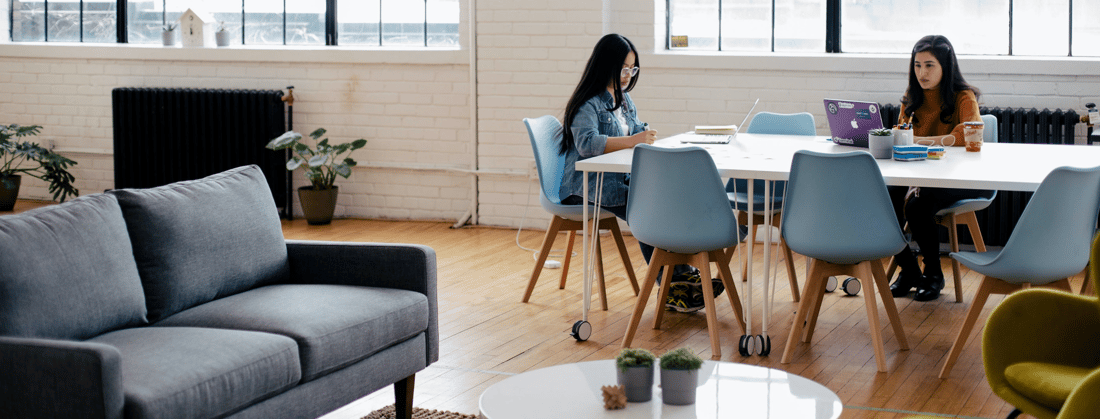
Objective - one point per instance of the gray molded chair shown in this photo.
(818, 222)
(545, 132)
(685, 225)
(1049, 244)
(962, 212)
(768, 123)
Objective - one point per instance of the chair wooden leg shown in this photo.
(600, 276)
(666, 284)
(568, 256)
(988, 286)
(727, 279)
(643, 297)
(1060, 285)
(893, 268)
(951, 222)
(813, 282)
(702, 261)
(547, 243)
(618, 235)
(1086, 287)
(791, 276)
(818, 296)
(403, 395)
(971, 221)
(864, 271)
(883, 287)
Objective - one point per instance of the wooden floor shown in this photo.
(487, 334)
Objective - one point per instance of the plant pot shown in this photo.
(168, 38)
(221, 38)
(881, 146)
(678, 386)
(638, 383)
(318, 205)
(8, 195)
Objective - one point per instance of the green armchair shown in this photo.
(1041, 350)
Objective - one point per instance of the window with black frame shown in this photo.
(991, 27)
(398, 23)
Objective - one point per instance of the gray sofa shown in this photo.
(185, 301)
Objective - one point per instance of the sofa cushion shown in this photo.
(1045, 383)
(334, 325)
(185, 372)
(199, 240)
(67, 271)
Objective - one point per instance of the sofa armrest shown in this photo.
(409, 267)
(45, 378)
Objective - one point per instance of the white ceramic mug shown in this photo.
(903, 136)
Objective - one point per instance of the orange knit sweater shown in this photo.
(926, 120)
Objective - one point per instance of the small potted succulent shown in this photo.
(322, 164)
(880, 143)
(679, 376)
(221, 37)
(19, 157)
(634, 371)
(168, 36)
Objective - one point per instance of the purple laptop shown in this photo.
(850, 120)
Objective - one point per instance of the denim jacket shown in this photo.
(591, 127)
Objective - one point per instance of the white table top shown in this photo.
(1015, 167)
(730, 390)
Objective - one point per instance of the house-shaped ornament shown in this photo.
(196, 29)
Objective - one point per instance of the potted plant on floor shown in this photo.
(679, 376)
(323, 164)
(634, 371)
(28, 158)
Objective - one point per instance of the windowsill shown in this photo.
(273, 53)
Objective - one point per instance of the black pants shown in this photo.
(920, 212)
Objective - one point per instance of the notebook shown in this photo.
(850, 120)
(716, 134)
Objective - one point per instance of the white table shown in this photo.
(727, 390)
(1010, 167)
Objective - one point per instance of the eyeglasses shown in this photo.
(629, 72)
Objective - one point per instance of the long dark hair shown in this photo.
(604, 66)
(951, 83)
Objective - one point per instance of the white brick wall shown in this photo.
(414, 106)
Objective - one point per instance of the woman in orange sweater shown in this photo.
(937, 103)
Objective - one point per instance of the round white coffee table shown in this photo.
(726, 390)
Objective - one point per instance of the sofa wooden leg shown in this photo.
(403, 404)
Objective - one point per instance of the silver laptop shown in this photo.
(694, 138)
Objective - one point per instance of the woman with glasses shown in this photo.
(601, 118)
(937, 103)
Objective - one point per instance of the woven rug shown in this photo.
(418, 413)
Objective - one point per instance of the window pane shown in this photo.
(358, 22)
(1086, 28)
(799, 25)
(145, 21)
(973, 26)
(697, 20)
(63, 21)
(1041, 28)
(100, 21)
(305, 22)
(746, 25)
(28, 21)
(263, 22)
(443, 23)
(403, 22)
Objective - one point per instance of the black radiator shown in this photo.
(165, 135)
(1014, 125)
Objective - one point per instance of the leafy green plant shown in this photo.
(880, 132)
(634, 357)
(322, 163)
(28, 158)
(681, 359)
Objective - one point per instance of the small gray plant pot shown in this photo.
(678, 386)
(168, 38)
(638, 383)
(221, 38)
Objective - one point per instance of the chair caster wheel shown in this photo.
(830, 284)
(764, 343)
(745, 345)
(851, 286)
(582, 330)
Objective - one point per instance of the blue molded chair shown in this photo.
(962, 212)
(1049, 244)
(819, 222)
(545, 132)
(768, 123)
(677, 204)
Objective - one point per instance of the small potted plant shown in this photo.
(323, 164)
(221, 37)
(28, 158)
(168, 37)
(880, 143)
(634, 371)
(679, 376)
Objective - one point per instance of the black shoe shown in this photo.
(930, 289)
(905, 282)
